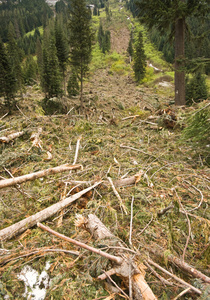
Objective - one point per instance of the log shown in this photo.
(180, 263)
(125, 270)
(29, 177)
(17, 228)
(10, 137)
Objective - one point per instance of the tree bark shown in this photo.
(29, 177)
(179, 61)
(181, 264)
(17, 228)
(126, 269)
(10, 137)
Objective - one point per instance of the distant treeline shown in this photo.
(25, 15)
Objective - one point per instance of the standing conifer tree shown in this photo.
(62, 48)
(14, 56)
(7, 79)
(81, 38)
(172, 15)
(139, 58)
(51, 77)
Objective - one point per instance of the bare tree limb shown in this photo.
(21, 226)
(29, 177)
(116, 259)
(174, 277)
(179, 263)
(10, 137)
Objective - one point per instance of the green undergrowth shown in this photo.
(123, 131)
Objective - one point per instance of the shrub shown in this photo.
(197, 131)
(196, 88)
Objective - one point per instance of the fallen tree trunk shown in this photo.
(29, 177)
(126, 269)
(180, 263)
(10, 137)
(21, 226)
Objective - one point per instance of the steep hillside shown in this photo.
(130, 133)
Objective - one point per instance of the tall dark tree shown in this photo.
(172, 14)
(51, 77)
(7, 79)
(14, 55)
(62, 48)
(139, 56)
(81, 38)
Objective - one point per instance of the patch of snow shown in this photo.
(34, 282)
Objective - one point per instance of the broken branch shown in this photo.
(21, 226)
(10, 137)
(116, 259)
(29, 177)
(174, 276)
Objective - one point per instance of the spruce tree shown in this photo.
(196, 88)
(73, 86)
(14, 55)
(171, 15)
(7, 79)
(139, 58)
(51, 77)
(61, 47)
(81, 38)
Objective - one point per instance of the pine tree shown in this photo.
(196, 88)
(62, 48)
(100, 35)
(81, 38)
(130, 47)
(139, 58)
(171, 15)
(51, 77)
(73, 86)
(7, 79)
(14, 55)
(30, 70)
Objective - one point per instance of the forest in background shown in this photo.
(151, 156)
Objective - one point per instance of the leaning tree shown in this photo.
(171, 15)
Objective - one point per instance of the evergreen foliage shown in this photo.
(196, 88)
(73, 85)
(15, 56)
(104, 39)
(62, 46)
(139, 57)
(8, 85)
(197, 131)
(30, 70)
(25, 16)
(130, 46)
(51, 77)
(171, 15)
(81, 38)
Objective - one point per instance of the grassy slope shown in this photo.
(110, 96)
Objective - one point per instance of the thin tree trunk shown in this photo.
(179, 62)
(81, 90)
(17, 228)
(32, 176)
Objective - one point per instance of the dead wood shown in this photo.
(175, 277)
(10, 137)
(116, 259)
(180, 263)
(17, 228)
(124, 270)
(29, 177)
